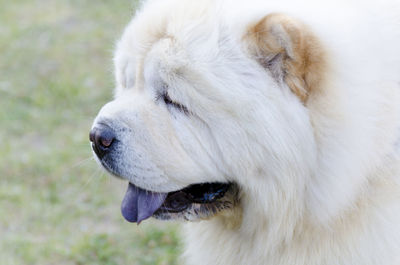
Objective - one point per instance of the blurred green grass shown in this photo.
(56, 205)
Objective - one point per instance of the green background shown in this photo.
(56, 205)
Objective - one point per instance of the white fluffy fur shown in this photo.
(320, 180)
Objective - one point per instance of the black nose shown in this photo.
(102, 138)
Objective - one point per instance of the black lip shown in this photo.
(107, 165)
(203, 193)
(97, 151)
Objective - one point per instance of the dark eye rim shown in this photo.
(169, 102)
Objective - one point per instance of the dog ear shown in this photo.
(289, 50)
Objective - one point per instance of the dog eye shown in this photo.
(169, 102)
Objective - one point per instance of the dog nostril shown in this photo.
(102, 139)
(106, 139)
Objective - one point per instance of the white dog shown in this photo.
(276, 123)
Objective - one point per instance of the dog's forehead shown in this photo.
(163, 60)
(166, 41)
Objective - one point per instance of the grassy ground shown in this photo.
(56, 206)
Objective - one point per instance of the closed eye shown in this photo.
(169, 102)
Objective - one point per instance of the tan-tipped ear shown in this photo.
(290, 51)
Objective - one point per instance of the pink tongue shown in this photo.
(139, 204)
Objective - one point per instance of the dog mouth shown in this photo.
(139, 204)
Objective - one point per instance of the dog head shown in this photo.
(204, 108)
